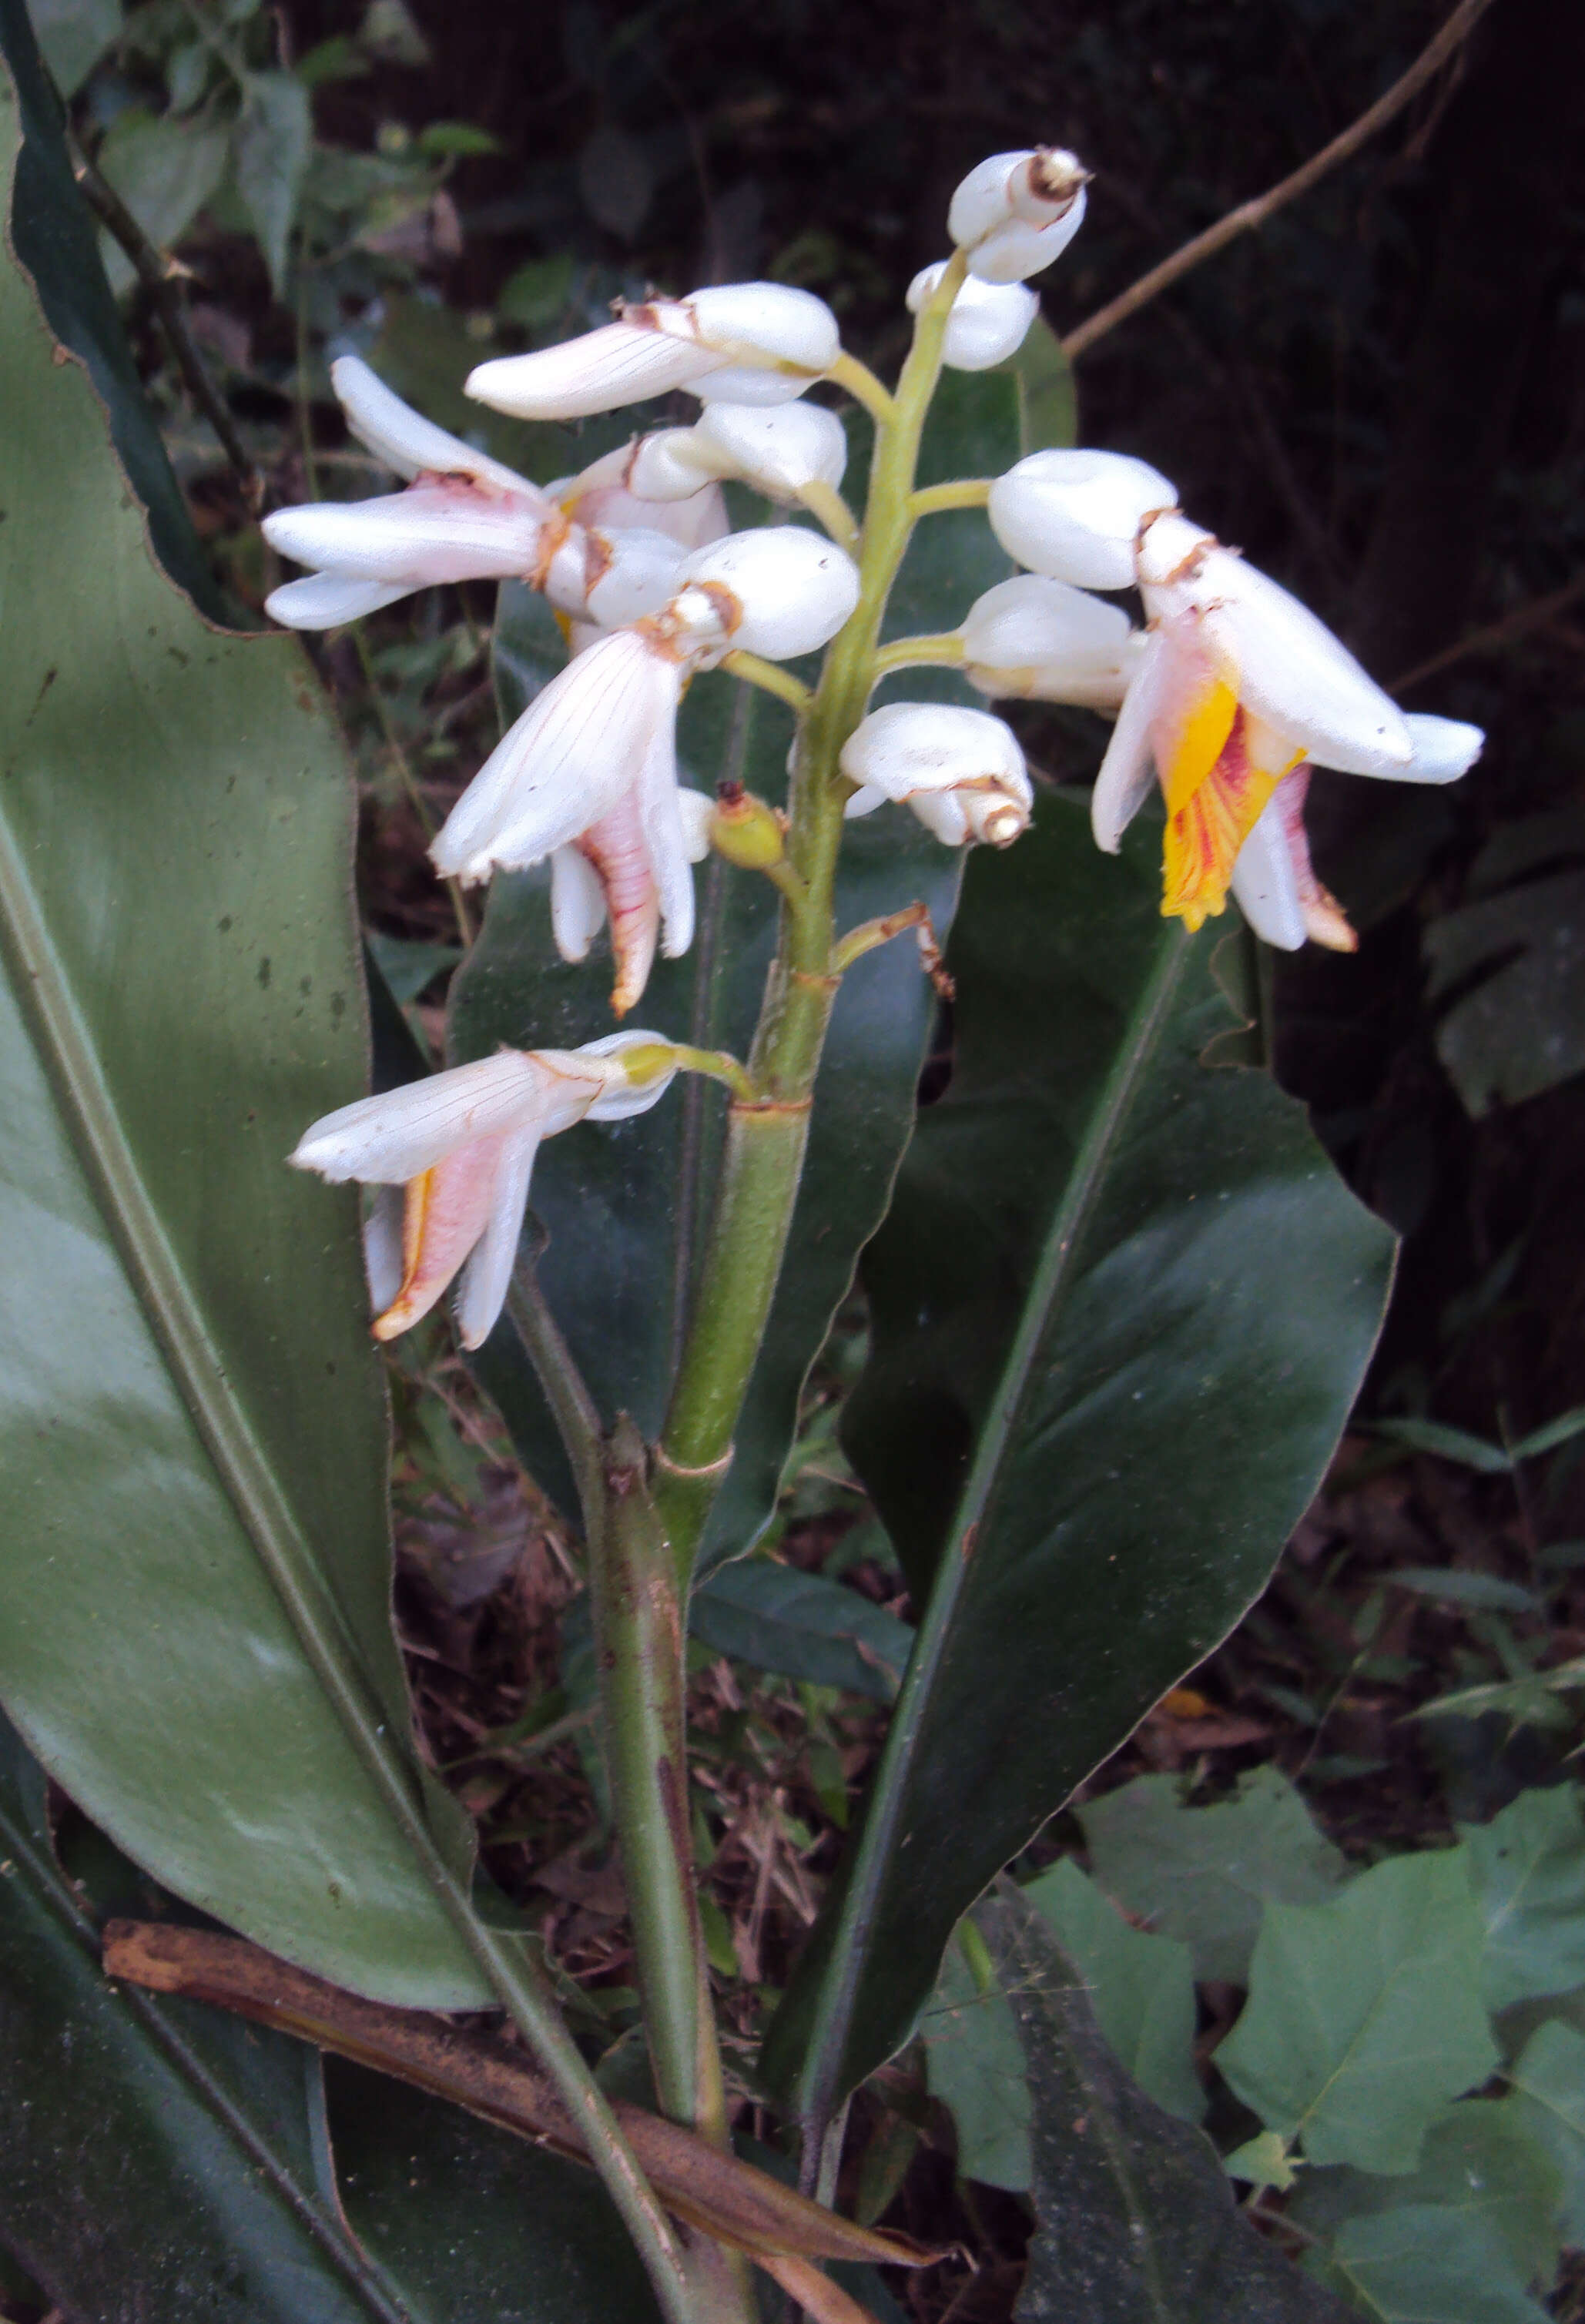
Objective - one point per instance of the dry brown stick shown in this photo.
(1250, 215)
(154, 269)
(1516, 624)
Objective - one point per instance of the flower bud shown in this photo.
(605, 496)
(1077, 515)
(1017, 213)
(745, 830)
(1045, 640)
(791, 588)
(989, 321)
(780, 451)
(961, 770)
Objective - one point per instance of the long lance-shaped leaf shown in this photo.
(1121, 1308)
(194, 1627)
(627, 1207)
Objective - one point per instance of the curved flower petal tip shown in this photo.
(790, 589)
(1076, 515)
(1274, 881)
(961, 770)
(445, 529)
(1444, 748)
(1045, 640)
(758, 341)
(400, 436)
(989, 321)
(1017, 213)
(324, 601)
(462, 1143)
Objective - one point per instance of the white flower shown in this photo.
(1047, 642)
(1076, 515)
(463, 1145)
(1015, 213)
(1238, 686)
(588, 776)
(742, 342)
(780, 451)
(603, 496)
(1274, 881)
(961, 770)
(989, 321)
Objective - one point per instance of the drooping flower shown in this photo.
(463, 1145)
(1237, 685)
(590, 765)
(988, 322)
(1043, 640)
(1076, 515)
(960, 771)
(781, 451)
(463, 517)
(1017, 213)
(737, 342)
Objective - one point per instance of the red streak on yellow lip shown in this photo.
(1212, 819)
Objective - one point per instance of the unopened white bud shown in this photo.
(989, 321)
(779, 451)
(776, 339)
(791, 588)
(960, 771)
(1076, 515)
(1017, 213)
(1043, 640)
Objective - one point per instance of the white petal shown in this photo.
(641, 573)
(983, 199)
(401, 437)
(989, 322)
(620, 363)
(942, 814)
(1264, 885)
(397, 1136)
(779, 450)
(1444, 749)
(1127, 767)
(577, 903)
(622, 1099)
(668, 845)
(795, 588)
(771, 320)
(566, 763)
(1045, 641)
(323, 601)
(911, 747)
(382, 1253)
(486, 1274)
(1076, 515)
(1016, 250)
(673, 464)
(695, 809)
(451, 530)
(864, 802)
(1046, 190)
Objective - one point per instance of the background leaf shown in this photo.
(165, 169)
(975, 2064)
(1364, 2015)
(1549, 2079)
(1140, 1987)
(1204, 1874)
(801, 1625)
(1142, 1281)
(1422, 2264)
(73, 35)
(1528, 1870)
(1519, 1031)
(193, 1431)
(272, 154)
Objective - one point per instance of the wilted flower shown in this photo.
(1076, 515)
(781, 451)
(738, 342)
(1047, 642)
(462, 518)
(1238, 684)
(988, 322)
(590, 765)
(961, 770)
(1017, 213)
(463, 1145)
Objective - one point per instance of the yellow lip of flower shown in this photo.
(1218, 768)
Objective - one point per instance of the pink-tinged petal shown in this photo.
(446, 1211)
(617, 849)
(669, 844)
(622, 363)
(1325, 921)
(577, 902)
(487, 1276)
(397, 1135)
(1128, 767)
(449, 528)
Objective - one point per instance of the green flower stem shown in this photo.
(963, 491)
(765, 1143)
(862, 385)
(940, 647)
(770, 676)
(826, 502)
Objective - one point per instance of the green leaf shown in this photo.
(1203, 1874)
(1480, 2161)
(1120, 1307)
(975, 2064)
(1531, 1699)
(1136, 2220)
(627, 1206)
(1454, 1587)
(1263, 2161)
(164, 169)
(1548, 2082)
(408, 968)
(1422, 2264)
(456, 141)
(1522, 1029)
(1451, 1444)
(1551, 1434)
(1528, 1870)
(1364, 2015)
(469, 2225)
(73, 35)
(194, 1625)
(272, 155)
(801, 1625)
(1141, 1988)
(157, 2155)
